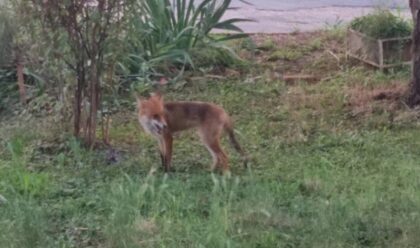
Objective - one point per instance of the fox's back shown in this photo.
(183, 115)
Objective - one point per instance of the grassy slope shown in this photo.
(331, 168)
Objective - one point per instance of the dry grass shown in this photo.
(309, 53)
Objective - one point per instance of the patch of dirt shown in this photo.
(310, 54)
(285, 39)
(365, 101)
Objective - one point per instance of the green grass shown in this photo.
(320, 175)
(293, 51)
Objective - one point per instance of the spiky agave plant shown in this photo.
(165, 30)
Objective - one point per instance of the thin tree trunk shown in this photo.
(21, 80)
(77, 108)
(94, 105)
(78, 98)
(106, 123)
(414, 93)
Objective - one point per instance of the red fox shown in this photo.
(163, 119)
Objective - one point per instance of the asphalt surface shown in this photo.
(307, 4)
(286, 16)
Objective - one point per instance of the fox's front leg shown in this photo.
(167, 156)
(162, 159)
(162, 151)
(165, 147)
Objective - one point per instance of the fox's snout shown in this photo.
(153, 126)
(159, 126)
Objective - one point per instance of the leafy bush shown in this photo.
(382, 24)
(7, 75)
(7, 32)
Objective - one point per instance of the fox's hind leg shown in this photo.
(210, 135)
(222, 160)
(214, 151)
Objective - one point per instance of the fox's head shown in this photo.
(151, 114)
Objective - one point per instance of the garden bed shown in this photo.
(381, 53)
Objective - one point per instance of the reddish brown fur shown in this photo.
(164, 119)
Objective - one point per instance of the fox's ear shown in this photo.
(157, 95)
(139, 101)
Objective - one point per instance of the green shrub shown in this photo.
(382, 24)
(211, 57)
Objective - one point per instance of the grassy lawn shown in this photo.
(335, 163)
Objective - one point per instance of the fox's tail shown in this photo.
(235, 143)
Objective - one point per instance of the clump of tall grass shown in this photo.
(132, 204)
(15, 177)
(24, 223)
(22, 219)
(152, 212)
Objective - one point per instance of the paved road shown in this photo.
(305, 4)
(285, 16)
